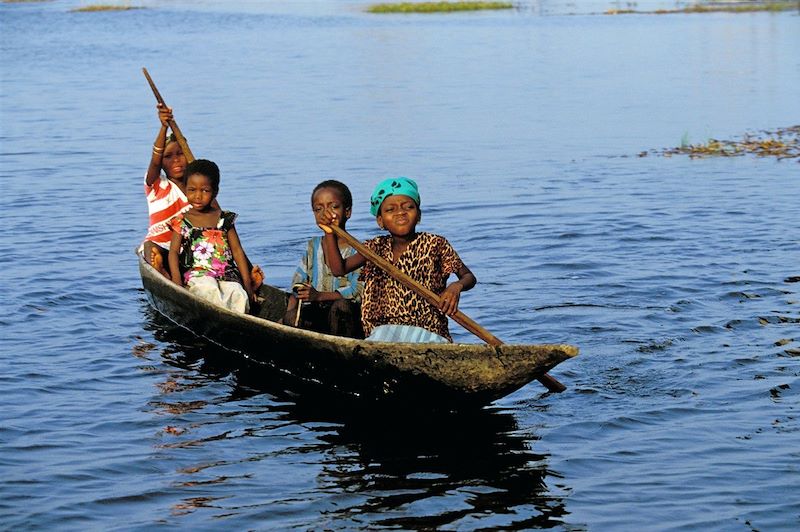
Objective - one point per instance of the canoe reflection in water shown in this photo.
(247, 450)
(446, 375)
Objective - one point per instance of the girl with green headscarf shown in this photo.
(389, 310)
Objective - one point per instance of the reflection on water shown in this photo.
(427, 473)
(390, 467)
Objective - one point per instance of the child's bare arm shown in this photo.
(452, 294)
(241, 261)
(330, 249)
(333, 257)
(174, 261)
(466, 278)
(154, 169)
(250, 267)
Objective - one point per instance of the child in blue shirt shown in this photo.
(330, 304)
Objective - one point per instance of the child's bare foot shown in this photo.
(256, 277)
(157, 261)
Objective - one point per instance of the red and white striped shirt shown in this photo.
(165, 201)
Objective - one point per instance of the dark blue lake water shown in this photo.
(673, 276)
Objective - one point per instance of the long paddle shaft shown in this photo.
(175, 129)
(431, 297)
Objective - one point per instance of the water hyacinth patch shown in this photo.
(437, 7)
(783, 143)
(713, 7)
(104, 7)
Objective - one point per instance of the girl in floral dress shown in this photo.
(205, 245)
(166, 199)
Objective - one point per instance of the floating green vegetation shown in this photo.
(781, 143)
(104, 7)
(436, 7)
(714, 7)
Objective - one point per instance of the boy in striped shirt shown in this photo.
(330, 304)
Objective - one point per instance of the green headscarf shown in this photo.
(402, 186)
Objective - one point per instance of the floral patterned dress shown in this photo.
(205, 251)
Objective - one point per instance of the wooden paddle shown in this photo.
(173, 126)
(299, 303)
(431, 297)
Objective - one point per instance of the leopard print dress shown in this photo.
(429, 260)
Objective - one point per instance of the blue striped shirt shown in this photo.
(312, 269)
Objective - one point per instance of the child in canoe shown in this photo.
(206, 245)
(330, 304)
(389, 311)
(166, 197)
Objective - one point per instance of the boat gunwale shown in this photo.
(344, 342)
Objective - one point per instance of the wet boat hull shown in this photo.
(447, 374)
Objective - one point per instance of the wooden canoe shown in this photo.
(440, 374)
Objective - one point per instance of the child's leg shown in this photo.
(314, 316)
(344, 319)
(206, 288)
(234, 296)
(156, 256)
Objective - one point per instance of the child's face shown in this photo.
(330, 200)
(199, 192)
(173, 162)
(399, 215)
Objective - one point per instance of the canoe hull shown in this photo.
(447, 374)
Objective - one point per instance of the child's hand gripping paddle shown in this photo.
(172, 124)
(459, 317)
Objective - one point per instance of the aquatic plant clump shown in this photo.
(781, 143)
(437, 7)
(714, 7)
(104, 7)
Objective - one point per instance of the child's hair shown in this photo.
(203, 167)
(170, 139)
(347, 197)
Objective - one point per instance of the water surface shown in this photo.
(522, 128)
